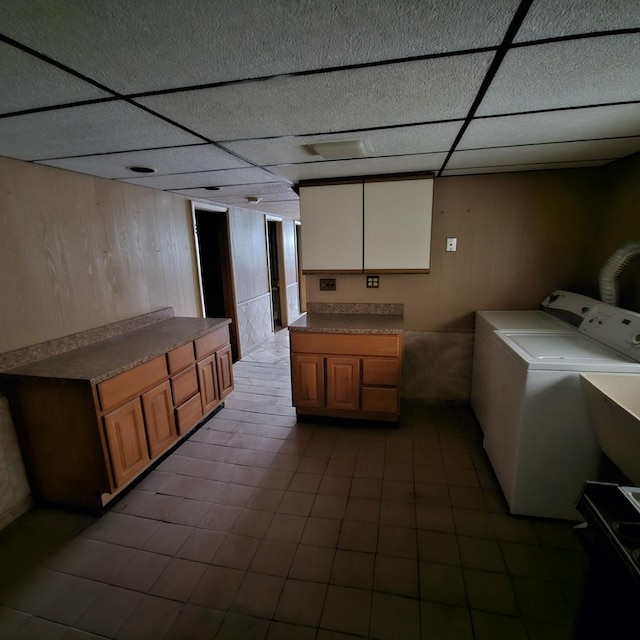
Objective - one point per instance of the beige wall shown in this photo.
(520, 236)
(78, 252)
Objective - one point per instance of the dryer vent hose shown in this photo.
(612, 269)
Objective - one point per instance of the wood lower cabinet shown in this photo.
(346, 375)
(84, 442)
(159, 419)
(127, 442)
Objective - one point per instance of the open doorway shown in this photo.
(216, 273)
(276, 281)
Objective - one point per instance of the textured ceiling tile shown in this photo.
(150, 45)
(411, 92)
(566, 74)
(30, 83)
(203, 179)
(264, 197)
(362, 167)
(554, 152)
(552, 18)
(554, 126)
(385, 142)
(204, 157)
(525, 167)
(88, 129)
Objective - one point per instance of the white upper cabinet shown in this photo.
(367, 226)
(397, 225)
(331, 217)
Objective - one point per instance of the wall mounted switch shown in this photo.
(327, 284)
(452, 244)
(373, 282)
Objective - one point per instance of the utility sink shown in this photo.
(614, 402)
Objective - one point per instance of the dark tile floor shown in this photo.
(258, 527)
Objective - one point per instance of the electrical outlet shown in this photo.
(452, 244)
(373, 282)
(327, 284)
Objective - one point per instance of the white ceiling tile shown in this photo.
(525, 167)
(362, 166)
(165, 161)
(545, 153)
(411, 92)
(552, 18)
(87, 129)
(566, 74)
(241, 190)
(427, 138)
(554, 126)
(30, 83)
(264, 197)
(177, 181)
(144, 46)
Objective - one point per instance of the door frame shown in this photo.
(233, 311)
(284, 308)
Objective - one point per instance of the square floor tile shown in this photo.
(258, 595)
(150, 619)
(312, 563)
(442, 583)
(334, 485)
(435, 546)
(286, 527)
(363, 509)
(301, 602)
(329, 507)
(110, 611)
(353, 569)
(396, 575)
(194, 622)
(358, 536)
(366, 488)
(296, 504)
(238, 625)
(217, 588)
(274, 557)
(446, 622)
(491, 592)
(489, 626)
(347, 610)
(179, 579)
(252, 523)
(393, 617)
(397, 541)
(321, 532)
(201, 545)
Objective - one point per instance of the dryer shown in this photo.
(540, 441)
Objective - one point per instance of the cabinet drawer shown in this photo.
(213, 341)
(346, 343)
(380, 371)
(379, 400)
(116, 390)
(180, 358)
(189, 414)
(184, 385)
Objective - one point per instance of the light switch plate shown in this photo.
(327, 284)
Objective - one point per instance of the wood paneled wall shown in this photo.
(618, 218)
(520, 236)
(78, 252)
(249, 247)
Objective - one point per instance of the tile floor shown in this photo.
(258, 527)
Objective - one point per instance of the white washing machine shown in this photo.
(571, 307)
(540, 441)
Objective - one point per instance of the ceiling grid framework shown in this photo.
(224, 100)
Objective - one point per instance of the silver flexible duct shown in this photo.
(612, 269)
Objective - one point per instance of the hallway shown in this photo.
(260, 527)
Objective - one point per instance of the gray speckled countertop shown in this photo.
(101, 360)
(348, 323)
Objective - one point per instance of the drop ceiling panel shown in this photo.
(144, 46)
(554, 152)
(87, 129)
(264, 197)
(165, 161)
(589, 71)
(552, 18)
(362, 167)
(383, 142)
(554, 126)
(30, 83)
(203, 179)
(524, 167)
(241, 190)
(410, 92)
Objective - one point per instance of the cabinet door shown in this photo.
(126, 440)
(208, 381)
(343, 383)
(331, 217)
(307, 380)
(225, 371)
(397, 225)
(159, 420)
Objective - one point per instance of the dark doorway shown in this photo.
(274, 245)
(212, 237)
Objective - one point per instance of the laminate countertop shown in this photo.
(106, 358)
(363, 323)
